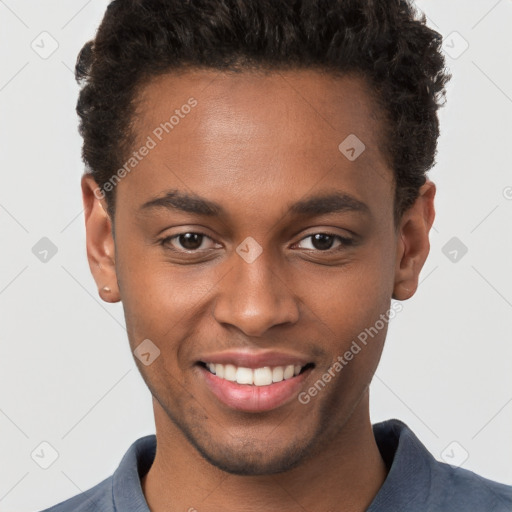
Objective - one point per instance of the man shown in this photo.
(256, 196)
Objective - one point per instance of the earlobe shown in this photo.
(413, 243)
(99, 240)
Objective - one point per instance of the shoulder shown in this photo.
(418, 481)
(120, 491)
(97, 498)
(462, 489)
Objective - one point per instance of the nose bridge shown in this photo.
(253, 297)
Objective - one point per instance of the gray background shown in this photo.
(67, 375)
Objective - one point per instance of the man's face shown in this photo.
(255, 279)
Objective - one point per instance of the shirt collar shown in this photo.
(409, 464)
(408, 461)
(127, 489)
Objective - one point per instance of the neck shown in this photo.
(350, 470)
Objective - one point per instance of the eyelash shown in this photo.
(345, 242)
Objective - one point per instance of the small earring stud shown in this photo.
(106, 289)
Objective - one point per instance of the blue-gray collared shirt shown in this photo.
(416, 482)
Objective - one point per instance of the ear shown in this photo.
(413, 242)
(100, 240)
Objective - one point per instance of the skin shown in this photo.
(256, 143)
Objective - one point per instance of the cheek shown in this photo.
(354, 358)
(357, 310)
(161, 301)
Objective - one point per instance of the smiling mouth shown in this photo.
(263, 376)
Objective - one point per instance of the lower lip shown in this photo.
(250, 398)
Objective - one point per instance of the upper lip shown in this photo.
(252, 359)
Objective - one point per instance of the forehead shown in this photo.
(281, 132)
(321, 102)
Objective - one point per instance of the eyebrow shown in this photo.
(315, 205)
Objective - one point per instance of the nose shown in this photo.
(255, 297)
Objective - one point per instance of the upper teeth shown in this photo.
(258, 376)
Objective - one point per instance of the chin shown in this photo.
(254, 462)
(244, 454)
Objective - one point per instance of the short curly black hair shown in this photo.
(386, 41)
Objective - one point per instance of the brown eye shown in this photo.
(190, 241)
(324, 241)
